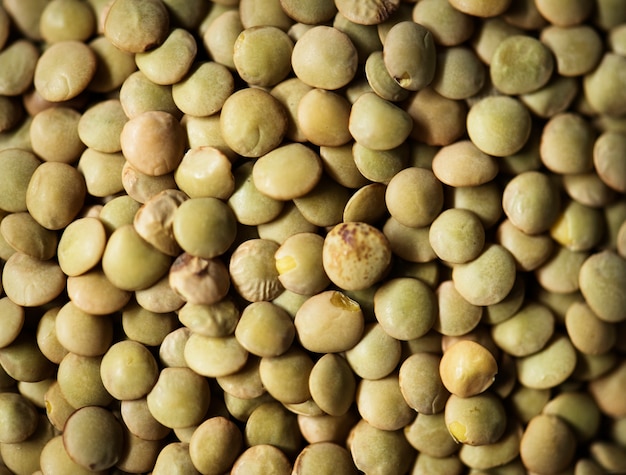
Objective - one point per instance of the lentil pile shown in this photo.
(313, 237)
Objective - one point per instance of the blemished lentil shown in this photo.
(351, 236)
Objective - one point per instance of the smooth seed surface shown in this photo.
(476, 420)
(467, 368)
(64, 70)
(405, 308)
(496, 268)
(318, 49)
(409, 55)
(421, 384)
(498, 125)
(329, 322)
(93, 450)
(128, 369)
(367, 115)
(143, 143)
(252, 122)
(547, 444)
(126, 18)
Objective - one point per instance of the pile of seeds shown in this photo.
(312, 237)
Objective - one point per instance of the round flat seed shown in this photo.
(366, 205)
(381, 403)
(209, 236)
(499, 125)
(253, 122)
(493, 455)
(526, 332)
(550, 366)
(55, 457)
(16, 169)
(205, 171)
(414, 197)
(487, 279)
(463, 164)
(409, 55)
(520, 64)
(323, 118)
(18, 62)
(13, 317)
(82, 333)
(467, 368)
(214, 356)
(261, 459)
(113, 65)
(81, 246)
(607, 149)
(30, 282)
(251, 207)
(305, 168)
(448, 25)
(56, 193)
(130, 263)
(376, 355)
(421, 384)
(225, 440)
(476, 420)
(64, 70)
(548, 444)
(429, 435)
(128, 370)
(482, 9)
(405, 308)
(24, 234)
(575, 13)
(375, 450)
(529, 251)
(259, 46)
(324, 57)
(299, 264)
(153, 142)
(588, 333)
(220, 36)
(604, 86)
(169, 62)
(457, 236)
(329, 322)
(460, 74)
(294, 366)
(176, 385)
(378, 124)
(381, 81)
(577, 49)
(93, 450)
(137, 27)
(265, 329)
(344, 251)
(332, 384)
(369, 12)
(54, 135)
(456, 315)
(600, 277)
(203, 91)
(100, 126)
(531, 202)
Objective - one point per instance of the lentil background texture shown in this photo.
(321, 237)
